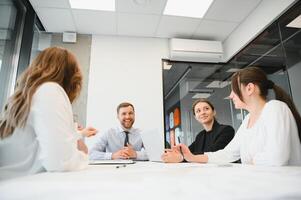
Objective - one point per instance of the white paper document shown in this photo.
(111, 162)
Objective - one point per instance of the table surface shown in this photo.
(150, 180)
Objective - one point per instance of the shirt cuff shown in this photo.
(209, 155)
(108, 156)
(141, 155)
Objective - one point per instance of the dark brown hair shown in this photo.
(201, 100)
(257, 76)
(123, 105)
(53, 64)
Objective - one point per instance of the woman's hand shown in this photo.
(88, 131)
(172, 156)
(188, 156)
(202, 158)
(81, 146)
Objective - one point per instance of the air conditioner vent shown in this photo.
(195, 50)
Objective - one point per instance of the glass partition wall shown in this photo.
(17, 20)
(11, 26)
(277, 50)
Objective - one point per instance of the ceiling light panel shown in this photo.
(105, 5)
(187, 8)
(218, 84)
(296, 23)
(231, 70)
(167, 66)
(201, 95)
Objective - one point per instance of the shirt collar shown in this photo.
(121, 129)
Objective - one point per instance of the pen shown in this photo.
(182, 154)
(120, 166)
(179, 140)
(225, 165)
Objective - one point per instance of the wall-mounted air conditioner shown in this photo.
(195, 50)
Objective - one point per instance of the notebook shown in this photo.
(153, 142)
(110, 162)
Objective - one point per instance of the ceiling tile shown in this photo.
(214, 30)
(97, 22)
(231, 10)
(141, 6)
(50, 4)
(177, 27)
(56, 20)
(137, 25)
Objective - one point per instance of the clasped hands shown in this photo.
(127, 152)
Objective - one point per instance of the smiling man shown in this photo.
(121, 142)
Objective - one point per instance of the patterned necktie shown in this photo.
(126, 140)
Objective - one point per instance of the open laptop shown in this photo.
(153, 141)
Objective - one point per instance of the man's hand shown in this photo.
(119, 155)
(125, 153)
(129, 150)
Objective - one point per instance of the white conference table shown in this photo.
(150, 180)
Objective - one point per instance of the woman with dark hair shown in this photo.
(270, 133)
(36, 127)
(214, 137)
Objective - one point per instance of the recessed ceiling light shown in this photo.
(231, 70)
(106, 5)
(201, 95)
(296, 23)
(167, 66)
(218, 84)
(187, 8)
(141, 2)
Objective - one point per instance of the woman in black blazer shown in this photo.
(214, 137)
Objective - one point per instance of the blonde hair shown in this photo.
(54, 64)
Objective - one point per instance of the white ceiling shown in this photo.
(131, 19)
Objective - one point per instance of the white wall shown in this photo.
(82, 51)
(126, 69)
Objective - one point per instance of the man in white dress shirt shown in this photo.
(121, 142)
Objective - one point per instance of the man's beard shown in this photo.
(127, 125)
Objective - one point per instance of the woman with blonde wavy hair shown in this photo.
(36, 126)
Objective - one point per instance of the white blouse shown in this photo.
(48, 142)
(272, 141)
